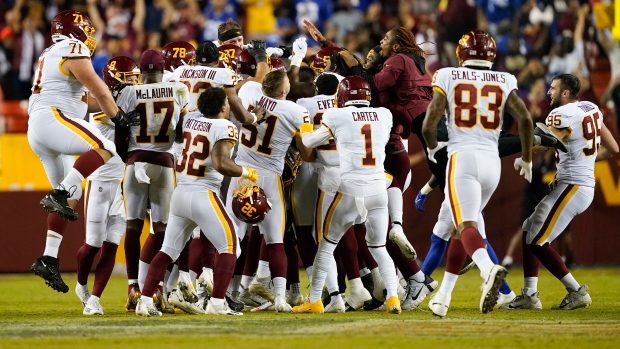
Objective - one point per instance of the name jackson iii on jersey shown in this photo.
(585, 120)
(199, 78)
(265, 145)
(194, 167)
(160, 106)
(476, 102)
(55, 88)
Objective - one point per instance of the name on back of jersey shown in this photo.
(267, 103)
(198, 125)
(154, 93)
(198, 74)
(365, 116)
(324, 104)
(474, 76)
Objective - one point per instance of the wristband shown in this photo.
(296, 61)
(325, 43)
(426, 189)
(244, 172)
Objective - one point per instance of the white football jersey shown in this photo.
(52, 87)
(326, 154)
(361, 135)
(198, 78)
(115, 167)
(476, 103)
(265, 145)
(200, 134)
(585, 121)
(159, 105)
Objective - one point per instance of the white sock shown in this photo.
(93, 299)
(143, 269)
(172, 278)
(570, 283)
(331, 280)
(263, 270)
(146, 300)
(73, 179)
(309, 273)
(386, 268)
(132, 281)
(218, 302)
(234, 283)
(364, 271)
(184, 274)
(279, 286)
(355, 284)
(419, 276)
(530, 285)
(192, 276)
(395, 204)
(447, 284)
(82, 288)
(52, 244)
(482, 259)
(245, 281)
(323, 263)
(295, 288)
(507, 260)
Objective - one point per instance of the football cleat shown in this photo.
(378, 291)
(469, 265)
(336, 305)
(132, 298)
(82, 293)
(575, 299)
(220, 310)
(392, 305)
(267, 306)
(493, 277)
(372, 304)
(439, 304)
(281, 306)
(186, 286)
(505, 298)
(46, 267)
(234, 302)
(398, 237)
(206, 280)
(357, 297)
(161, 303)
(294, 298)
(311, 308)
(56, 201)
(261, 289)
(417, 291)
(548, 138)
(523, 302)
(147, 310)
(177, 300)
(250, 299)
(92, 307)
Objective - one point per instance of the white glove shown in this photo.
(431, 152)
(247, 46)
(274, 51)
(526, 168)
(300, 46)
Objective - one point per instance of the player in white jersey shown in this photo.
(475, 99)
(149, 175)
(104, 209)
(177, 54)
(361, 134)
(264, 147)
(56, 128)
(580, 125)
(208, 140)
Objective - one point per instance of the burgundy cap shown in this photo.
(152, 60)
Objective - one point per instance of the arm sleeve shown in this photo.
(389, 74)
(316, 138)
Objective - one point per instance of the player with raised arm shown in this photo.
(360, 133)
(149, 175)
(104, 209)
(580, 125)
(208, 139)
(56, 128)
(475, 99)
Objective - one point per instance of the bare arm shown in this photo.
(261, 70)
(433, 114)
(307, 154)
(582, 13)
(220, 158)
(516, 108)
(299, 89)
(609, 146)
(83, 70)
(236, 106)
(138, 19)
(95, 16)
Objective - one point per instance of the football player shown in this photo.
(177, 54)
(361, 134)
(104, 209)
(580, 125)
(468, 187)
(56, 128)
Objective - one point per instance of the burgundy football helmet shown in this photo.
(229, 55)
(249, 203)
(353, 90)
(292, 162)
(178, 53)
(476, 48)
(277, 64)
(322, 57)
(75, 25)
(118, 69)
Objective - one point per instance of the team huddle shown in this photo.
(243, 167)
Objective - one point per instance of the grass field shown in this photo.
(33, 316)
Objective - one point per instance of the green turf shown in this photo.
(33, 316)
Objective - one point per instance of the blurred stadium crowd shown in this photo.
(536, 39)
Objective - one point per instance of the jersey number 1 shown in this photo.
(368, 160)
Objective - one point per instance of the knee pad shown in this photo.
(174, 253)
(95, 240)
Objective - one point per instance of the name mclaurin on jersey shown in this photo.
(473, 76)
(198, 125)
(199, 74)
(365, 116)
(153, 93)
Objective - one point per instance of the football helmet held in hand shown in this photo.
(292, 162)
(249, 202)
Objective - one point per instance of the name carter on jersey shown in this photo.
(364, 116)
(152, 93)
(473, 76)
